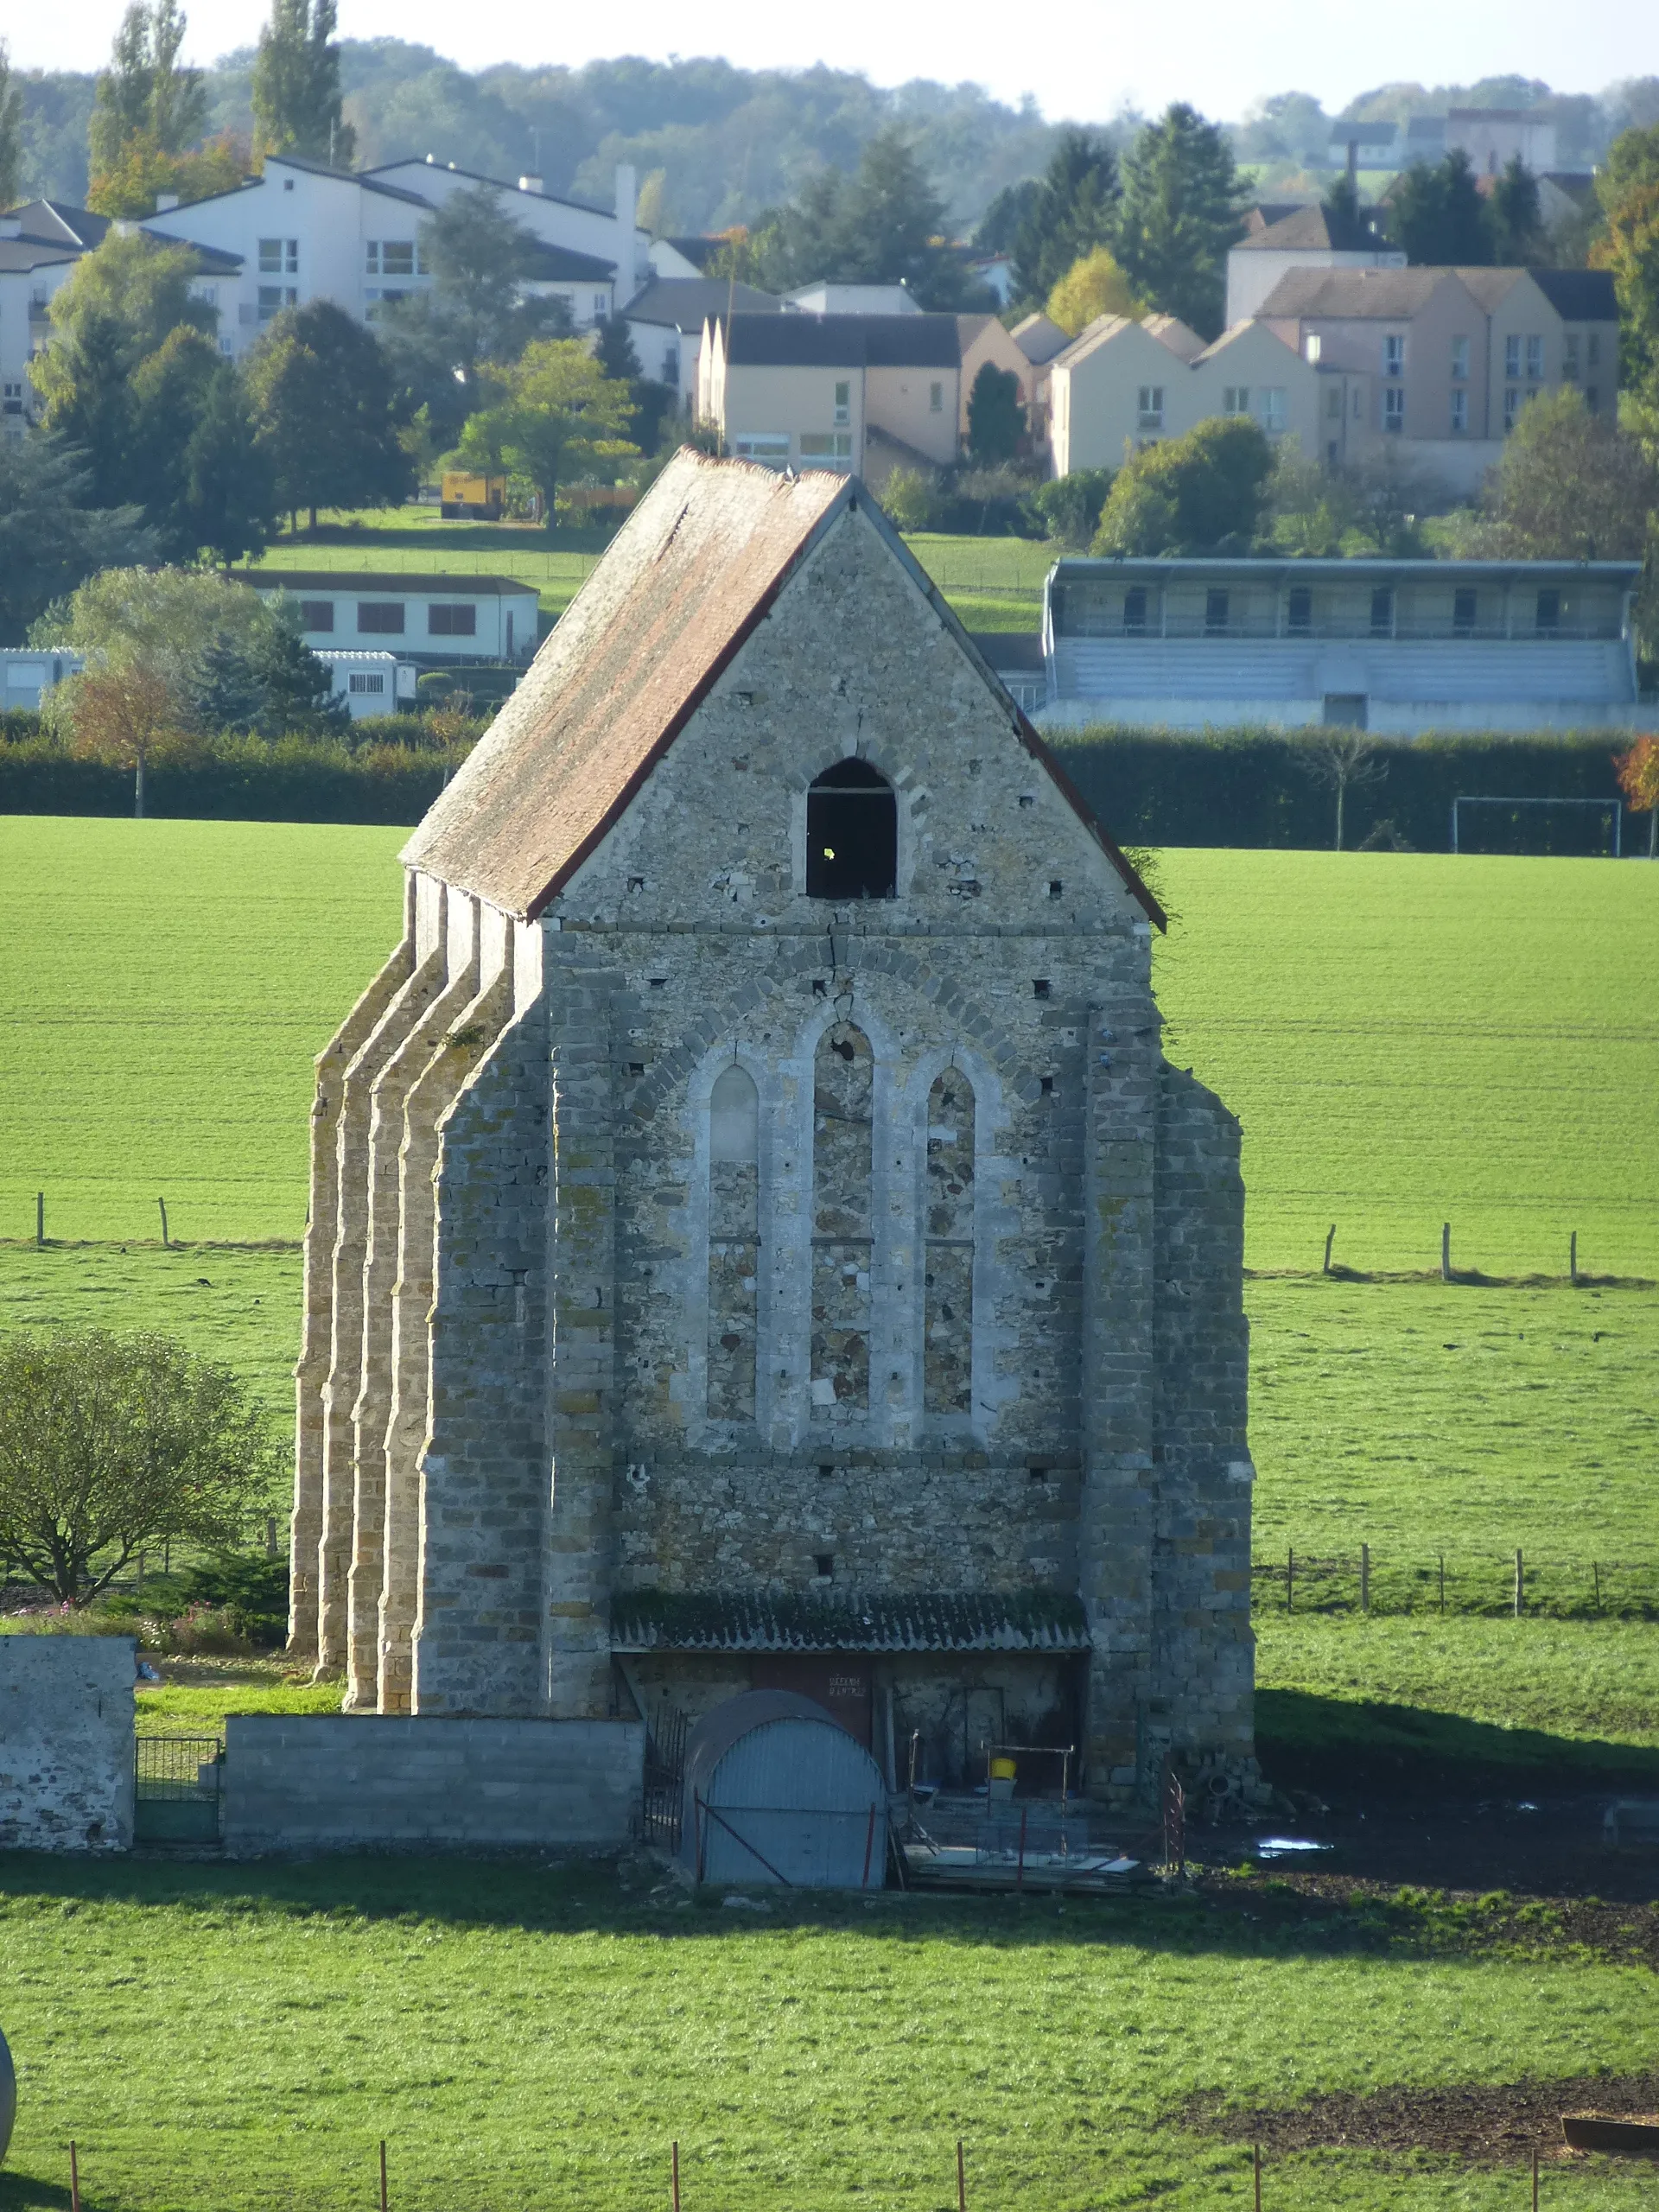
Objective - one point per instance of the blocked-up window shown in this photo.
(380, 617)
(948, 1316)
(1383, 611)
(936, 400)
(1135, 610)
(1333, 403)
(1464, 607)
(317, 614)
(843, 1092)
(1298, 611)
(734, 1249)
(451, 621)
(1215, 614)
(1549, 612)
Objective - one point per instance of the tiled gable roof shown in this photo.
(688, 578)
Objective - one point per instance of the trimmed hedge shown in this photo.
(1150, 788)
(1256, 788)
(237, 779)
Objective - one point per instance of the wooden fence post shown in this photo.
(1534, 2177)
(1364, 1577)
(75, 2180)
(1520, 1586)
(1573, 1259)
(1290, 1580)
(1256, 2162)
(1330, 1239)
(1595, 1576)
(165, 1243)
(676, 2176)
(39, 1220)
(961, 2180)
(1442, 1584)
(382, 2174)
(1446, 1251)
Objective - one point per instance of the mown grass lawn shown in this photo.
(994, 583)
(240, 2039)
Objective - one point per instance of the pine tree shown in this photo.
(1179, 214)
(1515, 216)
(996, 421)
(296, 98)
(1437, 215)
(1073, 210)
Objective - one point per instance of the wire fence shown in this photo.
(1374, 1580)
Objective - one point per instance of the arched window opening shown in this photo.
(734, 1249)
(852, 834)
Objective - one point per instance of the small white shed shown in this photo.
(777, 1792)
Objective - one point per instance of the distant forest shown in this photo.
(714, 144)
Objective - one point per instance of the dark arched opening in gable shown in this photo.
(852, 834)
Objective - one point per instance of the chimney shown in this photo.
(166, 202)
(532, 184)
(627, 193)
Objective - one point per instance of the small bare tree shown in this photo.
(1341, 759)
(120, 713)
(108, 1444)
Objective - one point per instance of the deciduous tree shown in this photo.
(559, 413)
(11, 131)
(1570, 486)
(120, 713)
(296, 100)
(1638, 778)
(1179, 216)
(110, 1444)
(1200, 494)
(1092, 286)
(1627, 189)
(324, 411)
(144, 93)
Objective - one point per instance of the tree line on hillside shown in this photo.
(715, 143)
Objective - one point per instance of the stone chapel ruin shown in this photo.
(756, 1239)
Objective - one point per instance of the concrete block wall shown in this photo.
(317, 1783)
(66, 1743)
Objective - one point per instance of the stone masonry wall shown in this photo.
(1203, 1694)
(66, 1743)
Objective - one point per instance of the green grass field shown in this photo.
(994, 583)
(239, 2040)
(1406, 1038)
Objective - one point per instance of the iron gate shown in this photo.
(176, 1789)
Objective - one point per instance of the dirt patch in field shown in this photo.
(1496, 2123)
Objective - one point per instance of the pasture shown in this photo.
(529, 2039)
(1406, 1038)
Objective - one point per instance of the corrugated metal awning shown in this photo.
(661, 1620)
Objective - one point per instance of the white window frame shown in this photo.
(1236, 399)
(1274, 409)
(1512, 356)
(1460, 411)
(1394, 408)
(1460, 360)
(1535, 357)
(1151, 410)
(936, 399)
(1394, 353)
(843, 402)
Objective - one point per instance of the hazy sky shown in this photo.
(1078, 57)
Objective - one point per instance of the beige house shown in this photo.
(1443, 360)
(1307, 238)
(1123, 384)
(858, 394)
